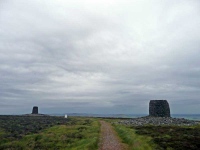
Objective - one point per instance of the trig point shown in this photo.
(35, 110)
(159, 108)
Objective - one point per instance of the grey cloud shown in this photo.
(98, 57)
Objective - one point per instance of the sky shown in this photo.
(99, 56)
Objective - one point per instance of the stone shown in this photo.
(35, 110)
(159, 108)
(157, 121)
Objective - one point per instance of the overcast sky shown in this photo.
(101, 56)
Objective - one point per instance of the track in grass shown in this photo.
(109, 139)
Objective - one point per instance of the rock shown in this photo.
(159, 114)
(35, 110)
(158, 121)
(159, 108)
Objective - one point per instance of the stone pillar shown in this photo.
(35, 110)
(159, 108)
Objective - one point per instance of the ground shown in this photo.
(82, 133)
(109, 139)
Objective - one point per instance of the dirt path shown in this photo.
(109, 139)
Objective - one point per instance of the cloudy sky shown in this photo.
(99, 56)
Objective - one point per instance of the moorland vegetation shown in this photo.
(83, 133)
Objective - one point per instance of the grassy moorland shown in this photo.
(134, 141)
(56, 133)
(18, 126)
(160, 137)
(82, 133)
(172, 137)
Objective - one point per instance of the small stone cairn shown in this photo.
(159, 114)
(35, 110)
(159, 108)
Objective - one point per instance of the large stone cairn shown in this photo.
(159, 108)
(35, 110)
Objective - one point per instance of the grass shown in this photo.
(18, 126)
(160, 137)
(172, 137)
(77, 134)
(135, 142)
(81, 133)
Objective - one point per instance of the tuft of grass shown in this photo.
(135, 142)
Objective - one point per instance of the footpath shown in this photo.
(109, 139)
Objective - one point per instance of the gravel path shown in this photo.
(109, 139)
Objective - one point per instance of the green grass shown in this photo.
(78, 134)
(81, 133)
(160, 137)
(2, 132)
(172, 137)
(135, 142)
(16, 127)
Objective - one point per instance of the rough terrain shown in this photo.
(109, 139)
(159, 121)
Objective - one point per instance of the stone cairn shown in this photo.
(159, 108)
(35, 110)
